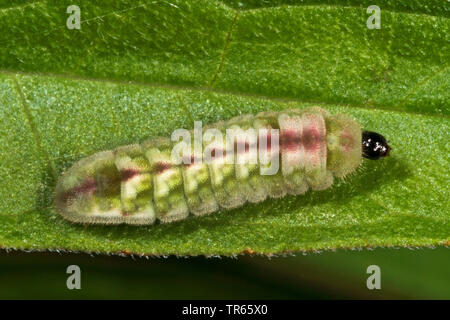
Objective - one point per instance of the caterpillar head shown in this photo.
(374, 145)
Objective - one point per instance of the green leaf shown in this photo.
(142, 69)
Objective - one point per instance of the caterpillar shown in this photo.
(140, 183)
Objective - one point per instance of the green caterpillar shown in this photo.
(139, 183)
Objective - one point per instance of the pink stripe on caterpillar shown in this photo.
(291, 140)
(127, 174)
(88, 187)
(347, 140)
(160, 167)
(312, 139)
(314, 142)
(292, 152)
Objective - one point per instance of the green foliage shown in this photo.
(431, 7)
(405, 274)
(138, 70)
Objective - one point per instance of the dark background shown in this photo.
(405, 273)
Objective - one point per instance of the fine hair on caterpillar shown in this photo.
(221, 166)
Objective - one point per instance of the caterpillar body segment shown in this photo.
(141, 183)
(168, 195)
(343, 145)
(292, 152)
(315, 161)
(222, 169)
(273, 182)
(136, 186)
(245, 146)
(197, 180)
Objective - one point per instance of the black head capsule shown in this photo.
(374, 145)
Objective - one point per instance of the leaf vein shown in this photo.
(33, 127)
(224, 50)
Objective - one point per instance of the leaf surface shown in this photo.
(142, 69)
